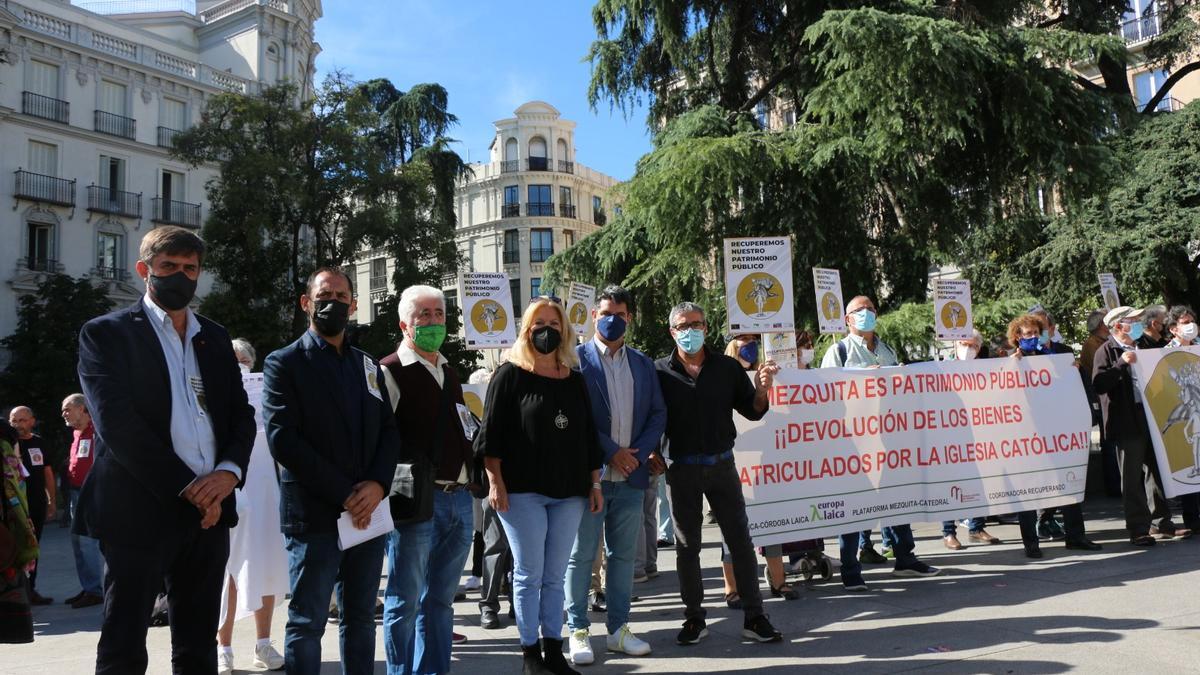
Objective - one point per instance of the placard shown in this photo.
(758, 284)
(1108, 291)
(952, 309)
(487, 311)
(1169, 381)
(580, 299)
(827, 283)
(781, 348)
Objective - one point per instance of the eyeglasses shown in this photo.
(552, 298)
(695, 325)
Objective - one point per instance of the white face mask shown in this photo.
(1187, 331)
(965, 353)
(806, 356)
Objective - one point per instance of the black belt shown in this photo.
(704, 460)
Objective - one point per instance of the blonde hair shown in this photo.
(522, 353)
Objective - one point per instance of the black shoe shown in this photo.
(1033, 551)
(869, 556)
(1084, 544)
(88, 600)
(665, 543)
(694, 630)
(460, 595)
(553, 659)
(597, 603)
(36, 598)
(760, 629)
(532, 663)
(73, 598)
(488, 619)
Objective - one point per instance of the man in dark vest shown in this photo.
(426, 555)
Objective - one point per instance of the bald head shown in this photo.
(21, 418)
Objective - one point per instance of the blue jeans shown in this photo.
(666, 529)
(89, 564)
(541, 531)
(317, 567)
(974, 526)
(621, 523)
(425, 561)
(902, 543)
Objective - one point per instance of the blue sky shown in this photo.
(491, 57)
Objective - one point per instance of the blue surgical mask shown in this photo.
(864, 320)
(749, 352)
(611, 327)
(1029, 344)
(1044, 338)
(1136, 330)
(690, 340)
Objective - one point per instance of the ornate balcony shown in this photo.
(45, 107)
(539, 209)
(116, 202)
(116, 125)
(510, 211)
(48, 189)
(174, 213)
(166, 137)
(566, 210)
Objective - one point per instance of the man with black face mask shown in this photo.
(173, 438)
(331, 429)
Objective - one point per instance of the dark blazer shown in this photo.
(649, 411)
(308, 435)
(1112, 379)
(133, 488)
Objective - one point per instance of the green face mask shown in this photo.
(429, 338)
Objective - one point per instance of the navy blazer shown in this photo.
(649, 410)
(308, 435)
(133, 489)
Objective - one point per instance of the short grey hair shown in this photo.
(410, 296)
(76, 400)
(683, 308)
(1095, 320)
(1049, 317)
(244, 350)
(481, 376)
(1154, 312)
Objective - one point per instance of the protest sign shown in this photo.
(781, 348)
(758, 284)
(952, 309)
(487, 303)
(843, 450)
(1169, 382)
(827, 284)
(580, 298)
(1108, 291)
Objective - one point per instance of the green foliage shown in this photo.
(44, 350)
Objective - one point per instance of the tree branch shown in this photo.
(1053, 21)
(1088, 84)
(1166, 87)
(766, 88)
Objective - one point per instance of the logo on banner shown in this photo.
(474, 404)
(760, 295)
(1173, 393)
(1110, 300)
(831, 309)
(489, 318)
(578, 314)
(957, 494)
(954, 315)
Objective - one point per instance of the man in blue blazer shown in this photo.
(331, 429)
(173, 438)
(630, 415)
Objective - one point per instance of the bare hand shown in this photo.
(211, 489)
(657, 464)
(1016, 354)
(766, 374)
(362, 502)
(498, 498)
(1129, 357)
(623, 460)
(210, 517)
(595, 500)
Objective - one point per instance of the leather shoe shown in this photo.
(983, 537)
(1082, 545)
(488, 619)
(87, 600)
(73, 598)
(1033, 551)
(951, 541)
(36, 598)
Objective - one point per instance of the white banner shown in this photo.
(843, 450)
(1108, 291)
(781, 348)
(758, 285)
(952, 309)
(1169, 381)
(827, 284)
(580, 298)
(487, 307)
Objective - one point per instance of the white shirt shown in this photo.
(192, 436)
(618, 377)
(409, 356)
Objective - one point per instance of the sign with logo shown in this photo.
(758, 284)
(781, 348)
(1108, 291)
(487, 307)
(580, 298)
(842, 450)
(474, 395)
(1169, 381)
(952, 309)
(828, 286)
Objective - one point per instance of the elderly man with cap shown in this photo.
(1125, 426)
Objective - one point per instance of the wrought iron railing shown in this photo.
(47, 189)
(45, 107)
(117, 202)
(116, 125)
(175, 213)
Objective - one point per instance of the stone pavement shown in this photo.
(993, 611)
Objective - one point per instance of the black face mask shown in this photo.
(330, 317)
(546, 339)
(172, 292)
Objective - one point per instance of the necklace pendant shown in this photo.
(561, 420)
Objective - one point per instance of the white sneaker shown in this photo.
(473, 584)
(625, 641)
(267, 657)
(581, 647)
(224, 662)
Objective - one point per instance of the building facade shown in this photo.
(528, 201)
(92, 95)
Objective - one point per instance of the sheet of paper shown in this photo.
(381, 524)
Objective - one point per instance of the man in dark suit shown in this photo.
(173, 437)
(330, 427)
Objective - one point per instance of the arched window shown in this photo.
(537, 154)
(562, 154)
(274, 63)
(510, 150)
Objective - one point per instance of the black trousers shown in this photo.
(497, 559)
(191, 562)
(37, 514)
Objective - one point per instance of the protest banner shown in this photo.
(1108, 291)
(843, 450)
(827, 283)
(781, 348)
(580, 298)
(1169, 381)
(486, 306)
(758, 284)
(952, 309)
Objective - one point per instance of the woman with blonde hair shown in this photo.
(543, 462)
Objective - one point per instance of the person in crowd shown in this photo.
(497, 556)
(1181, 326)
(968, 350)
(1027, 333)
(1154, 335)
(1048, 527)
(702, 388)
(331, 429)
(543, 458)
(861, 348)
(89, 564)
(746, 350)
(41, 490)
(173, 438)
(1097, 335)
(257, 570)
(630, 418)
(21, 544)
(1146, 510)
(475, 581)
(426, 558)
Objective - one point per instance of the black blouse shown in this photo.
(542, 430)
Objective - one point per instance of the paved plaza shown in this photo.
(993, 611)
